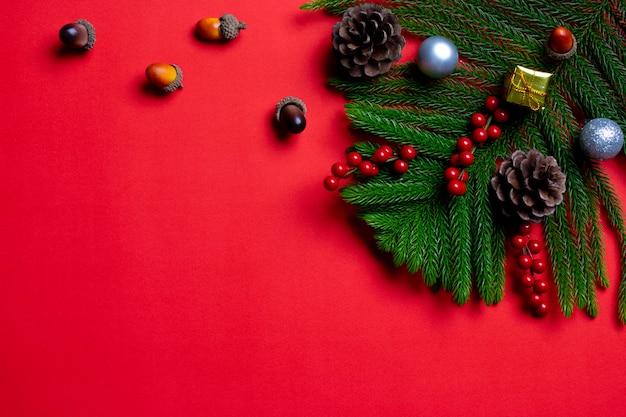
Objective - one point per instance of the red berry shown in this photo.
(535, 299)
(491, 103)
(561, 40)
(366, 168)
(524, 261)
(464, 176)
(541, 310)
(387, 149)
(379, 156)
(354, 158)
(464, 144)
(519, 241)
(527, 280)
(451, 174)
(454, 160)
(525, 228)
(400, 166)
(493, 132)
(374, 170)
(382, 154)
(541, 286)
(500, 116)
(535, 246)
(340, 169)
(466, 158)
(407, 153)
(456, 187)
(331, 183)
(539, 266)
(479, 136)
(478, 120)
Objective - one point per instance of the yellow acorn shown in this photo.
(167, 77)
(226, 27)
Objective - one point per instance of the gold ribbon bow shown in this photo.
(519, 84)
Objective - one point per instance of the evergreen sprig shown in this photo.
(458, 243)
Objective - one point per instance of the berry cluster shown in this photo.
(370, 167)
(483, 129)
(530, 266)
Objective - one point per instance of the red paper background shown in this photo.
(175, 256)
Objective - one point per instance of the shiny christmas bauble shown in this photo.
(601, 139)
(437, 57)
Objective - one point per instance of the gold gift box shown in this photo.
(527, 87)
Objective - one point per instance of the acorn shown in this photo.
(79, 35)
(290, 112)
(561, 44)
(166, 77)
(226, 28)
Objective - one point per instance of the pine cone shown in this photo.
(367, 40)
(529, 186)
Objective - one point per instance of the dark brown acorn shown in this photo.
(290, 113)
(79, 35)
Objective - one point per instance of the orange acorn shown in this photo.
(226, 27)
(167, 77)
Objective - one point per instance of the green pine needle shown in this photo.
(458, 243)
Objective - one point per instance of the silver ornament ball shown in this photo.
(437, 57)
(601, 139)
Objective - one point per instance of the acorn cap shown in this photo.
(230, 27)
(561, 57)
(289, 100)
(91, 33)
(177, 83)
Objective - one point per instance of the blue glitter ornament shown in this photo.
(601, 139)
(437, 57)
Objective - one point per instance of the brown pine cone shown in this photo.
(529, 186)
(367, 40)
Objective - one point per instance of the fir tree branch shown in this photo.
(498, 262)
(483, 247)
(461, 251)
(558, 240)
(332, 6)
(590, 90)
(487, 237)
(523, 135)
(426, 142)
(577, 201)
(406, 108)
(437, 122)
(423, 181)
(617, 18)
(401, 86)
(594, 242)
(608, 62)
(406, 248)
(614, 34)
(615, 215)
(498, 42)
(424, 248)
(438, 259)
(527, 14)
